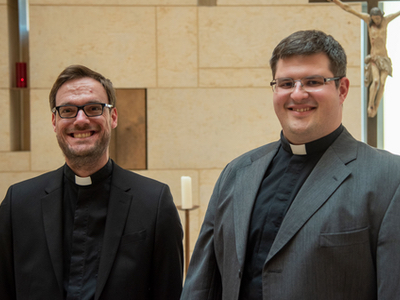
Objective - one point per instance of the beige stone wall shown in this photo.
(4, 78)
(205, 69)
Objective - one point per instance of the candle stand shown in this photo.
(187, 233)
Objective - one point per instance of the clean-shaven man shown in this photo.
(314, 215)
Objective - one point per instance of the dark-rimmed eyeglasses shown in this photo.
(309, 84)
(90, 110)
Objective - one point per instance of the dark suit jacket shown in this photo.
(141, 256)
(340, 238)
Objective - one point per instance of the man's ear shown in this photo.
(114, 117)
(53, 121)
(344, 86)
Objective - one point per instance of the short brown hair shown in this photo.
(311, 42)
(76, 72)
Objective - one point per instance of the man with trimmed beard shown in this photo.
(89, 230)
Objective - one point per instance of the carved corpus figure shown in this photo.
(377, 64)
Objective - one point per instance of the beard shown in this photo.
(372, 23)
(88, 156)
(376, 25)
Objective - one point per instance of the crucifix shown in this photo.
(377, 63)
(371, 3)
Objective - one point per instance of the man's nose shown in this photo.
(298, 84)
(298, 92)
(81, 116)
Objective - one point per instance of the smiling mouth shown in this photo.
(82, 135)
(301, 109)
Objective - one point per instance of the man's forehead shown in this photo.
(317, 58)
(81, 83)
(303, 65)
(85, 86)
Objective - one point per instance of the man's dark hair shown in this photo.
(76, 72)
(311, 42)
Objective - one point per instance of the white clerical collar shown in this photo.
(83, 180)
(298, 149)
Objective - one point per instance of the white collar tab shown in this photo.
(298, 149)
(83, 180)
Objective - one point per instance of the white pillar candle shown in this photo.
(186, 186)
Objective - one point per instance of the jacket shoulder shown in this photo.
(33, 189)
(39, 183)
(129, 180)
(253, 155)
(361, 157)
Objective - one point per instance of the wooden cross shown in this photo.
(372, 124)
(371, 3)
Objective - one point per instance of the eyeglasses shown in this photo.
(90, 110)
(309, 84)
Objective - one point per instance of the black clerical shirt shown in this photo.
(84, 215)
(283, 179)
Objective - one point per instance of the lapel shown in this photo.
(247, 183)
(327, 176)
(117, 212)
(52, 220)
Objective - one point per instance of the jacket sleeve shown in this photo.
(7, 282)
(167, 271)
(388, 252)
(203, 280)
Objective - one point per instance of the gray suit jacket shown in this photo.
(340, 238)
